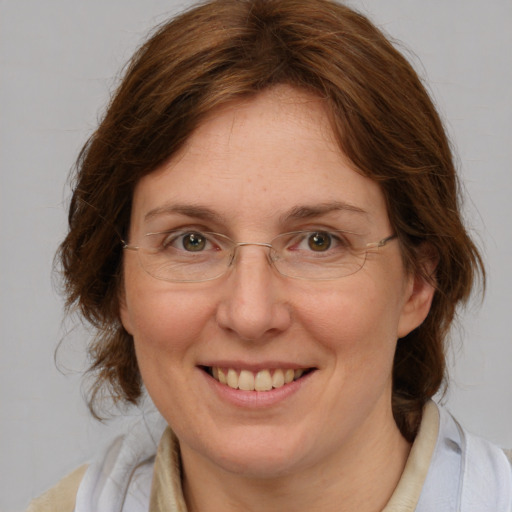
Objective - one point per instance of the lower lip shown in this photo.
(256, 399)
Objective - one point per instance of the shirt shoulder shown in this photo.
(467, 473)
(487, 473)
(61, 497)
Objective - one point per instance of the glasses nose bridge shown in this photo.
(236, 246)
(260, 244)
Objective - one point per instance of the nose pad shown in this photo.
(232, 257)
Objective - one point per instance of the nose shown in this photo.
(253, 305)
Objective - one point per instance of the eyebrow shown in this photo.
(307, 212)
(295, 213)
(198, 212)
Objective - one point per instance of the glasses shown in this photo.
(188, 256)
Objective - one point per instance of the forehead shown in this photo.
(256, 159)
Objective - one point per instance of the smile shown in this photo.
(263, 380)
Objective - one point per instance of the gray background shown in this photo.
(58, 61)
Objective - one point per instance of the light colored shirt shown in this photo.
(448, 470)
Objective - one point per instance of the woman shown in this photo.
(265, 232)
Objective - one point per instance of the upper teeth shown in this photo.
(264, 380)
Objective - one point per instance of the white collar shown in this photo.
(448, 470)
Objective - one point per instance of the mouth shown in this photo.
(262, 380)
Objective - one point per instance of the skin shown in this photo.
(251, 163)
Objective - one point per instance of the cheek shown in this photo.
(358, 320)
(167, 330)
(167, 327)
(356, 325)
(165, 321)
(168, 320)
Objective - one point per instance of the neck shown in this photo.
(362, 478)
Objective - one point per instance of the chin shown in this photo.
(260, 465)
(264, 455)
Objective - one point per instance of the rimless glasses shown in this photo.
(184, 256)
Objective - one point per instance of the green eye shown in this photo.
(319, 241)
(193, 242)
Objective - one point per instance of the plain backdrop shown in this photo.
(59, 60)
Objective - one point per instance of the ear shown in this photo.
(419, 294)
(124, 313)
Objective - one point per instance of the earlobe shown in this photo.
(124, 315)
(419, 296)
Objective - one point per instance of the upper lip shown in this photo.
(254, 367)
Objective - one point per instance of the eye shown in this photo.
(320, 241)
(193, 242)
(190, 241)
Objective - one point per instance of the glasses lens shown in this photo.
(316, 255)
(185, 256)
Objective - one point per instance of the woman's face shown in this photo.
(253, 170)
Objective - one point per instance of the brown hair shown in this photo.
(382, 117)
